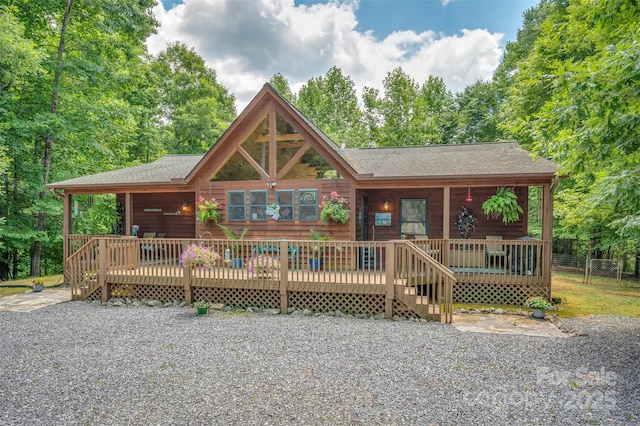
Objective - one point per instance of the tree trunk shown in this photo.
(48, 140)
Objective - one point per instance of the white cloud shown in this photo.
(248, 41)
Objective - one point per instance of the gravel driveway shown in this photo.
(80, 363)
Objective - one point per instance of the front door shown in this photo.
(413, 217)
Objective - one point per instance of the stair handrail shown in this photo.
(448, 279)
(73, 265)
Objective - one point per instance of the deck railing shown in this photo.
(422, 271)
(522, 261)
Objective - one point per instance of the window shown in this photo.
(237, 205)
(284, 198)
(308, 204)
(258, 201)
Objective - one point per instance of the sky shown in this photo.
(248, 41)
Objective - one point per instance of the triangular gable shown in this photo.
(266, 111)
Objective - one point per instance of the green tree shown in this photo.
(282, 86)
(478, 107)
(68, 119)
(575, 99)
(331, 103)
(396, 110)
(195, 107)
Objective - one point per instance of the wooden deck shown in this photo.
(393, 277)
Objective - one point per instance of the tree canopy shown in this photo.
(79, 94)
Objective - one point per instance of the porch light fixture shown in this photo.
(185, 206)
(386, 204)
(469, 199)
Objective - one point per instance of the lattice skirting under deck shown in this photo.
(350, 304)
(320, 302)
(239, 297)
(496, 294)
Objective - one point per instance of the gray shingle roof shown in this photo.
(161, 171)
(455, 161)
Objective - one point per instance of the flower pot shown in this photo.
(202, 311)
(538, 313)
(38, 287)
(315, 264)
(236, 263)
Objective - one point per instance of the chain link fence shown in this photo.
(604, 268)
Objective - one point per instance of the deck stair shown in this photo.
(422, 283)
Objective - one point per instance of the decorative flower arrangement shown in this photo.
(334, 208)
(208, 210)
(263, 265)
(199, 255)
(537, 302)
(273, 210)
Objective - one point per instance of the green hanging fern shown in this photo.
(504, 203)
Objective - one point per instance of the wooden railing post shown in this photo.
(102, 268)
(186, 282)
(390, 273)
(284, 276)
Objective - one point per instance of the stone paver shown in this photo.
(30, 301)
(506, 324)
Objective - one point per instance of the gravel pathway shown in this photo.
(80, 363)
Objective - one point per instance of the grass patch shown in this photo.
(604, 296)
(49, 281)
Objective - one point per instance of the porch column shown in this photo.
(446, 210)
(547, 213)
(67, 211)
(547, 233)
(128, 213)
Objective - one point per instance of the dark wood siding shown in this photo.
(485, 225)
(274, 229)
(158, 213)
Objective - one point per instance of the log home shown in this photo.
(405, 203)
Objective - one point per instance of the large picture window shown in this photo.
(285, 198)
(237, 206)
(258, 205)
(308, 205)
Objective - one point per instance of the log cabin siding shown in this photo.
(158, 213)
(271, 229)
(487, 226)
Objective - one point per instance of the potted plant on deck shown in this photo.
(235, 249)
(263, 265)
(199, 255)
(316, 258)
(538, 304)
(38, 284)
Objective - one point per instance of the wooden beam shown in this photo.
(284, 137)
(293, 161)
(272, 142)
(253, 163)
